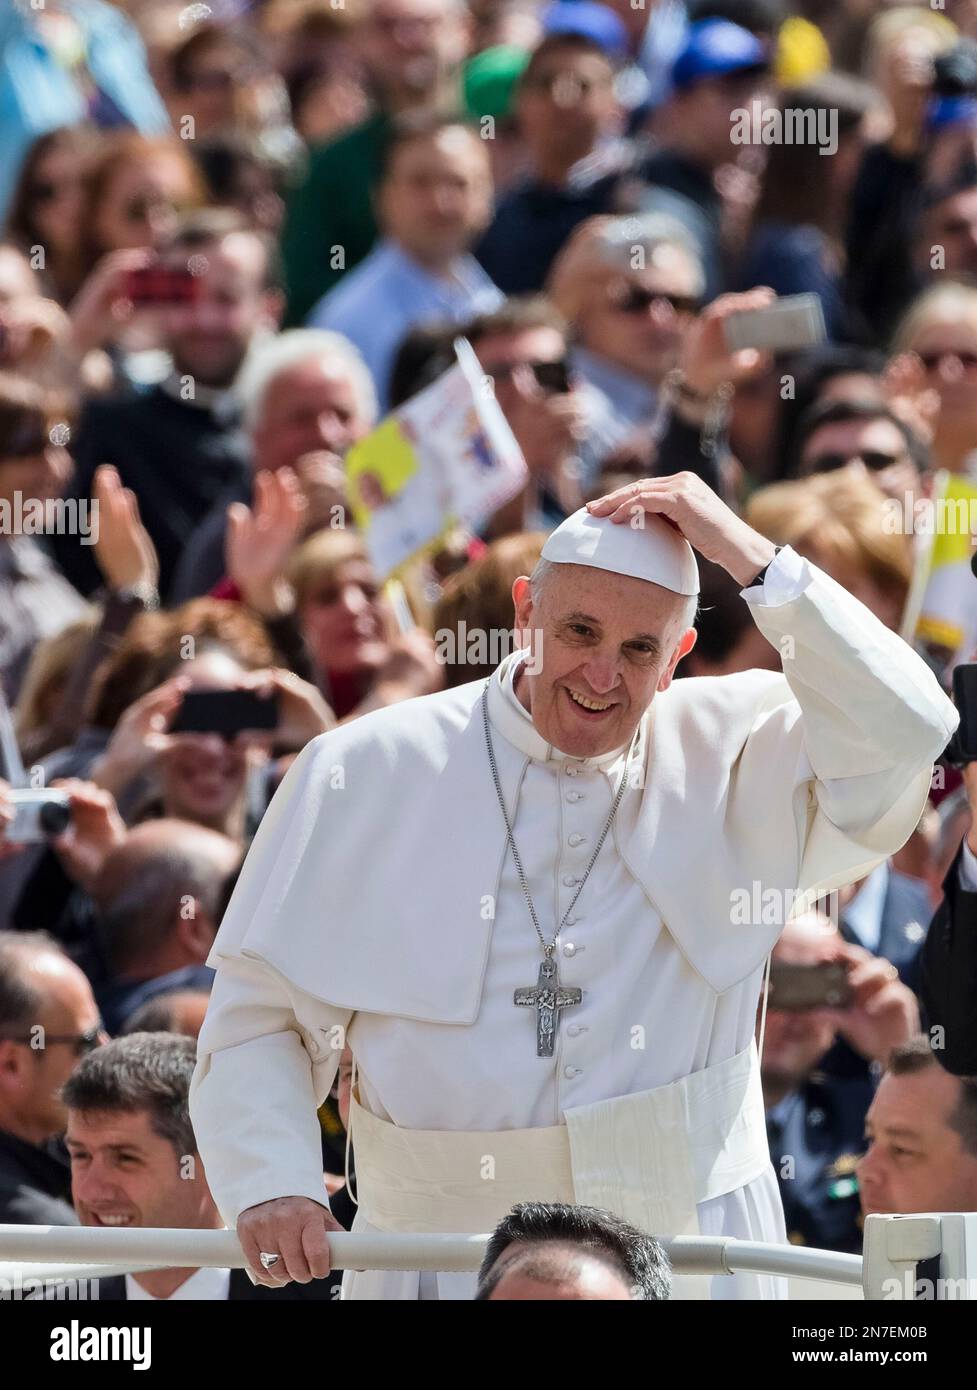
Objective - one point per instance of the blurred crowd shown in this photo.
(233, 237)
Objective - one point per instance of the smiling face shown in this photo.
(604, 644)
(343, 620)
(203, 777)
(125, 1174)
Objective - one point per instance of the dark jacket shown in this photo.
(948, 987)
(113, 1290)
(35, 1184)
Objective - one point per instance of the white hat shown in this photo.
(653, 551)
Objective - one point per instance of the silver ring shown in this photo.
(268, 1260)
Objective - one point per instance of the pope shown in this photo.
(512, 901)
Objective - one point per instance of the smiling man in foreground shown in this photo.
(512, 900)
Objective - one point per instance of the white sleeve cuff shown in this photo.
(967, 870)
(788, 575)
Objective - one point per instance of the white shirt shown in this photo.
(203, 1286)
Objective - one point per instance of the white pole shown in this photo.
(182, 1249)
(456, 1253)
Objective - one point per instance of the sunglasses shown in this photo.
(214, 80)
(932, 360)
(873, 459)
(141, 209)
(83, 1043)
(638, 300)
(552, 377)
(47, 191)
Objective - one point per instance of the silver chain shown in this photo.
(548, 947)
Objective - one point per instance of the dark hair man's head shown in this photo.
(236, 295)
(412, 47)
(553, 1251)
(565, 104)
(839, 433)
(48, 1018)
(434, 195)
(133, 1154)
(922, 1137)
(160, 895)
(177, 1011)
(948, 220)
(720, 69)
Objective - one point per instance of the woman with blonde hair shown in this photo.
(836, 520)
(473, 619)
(937, 343)
(349, 629)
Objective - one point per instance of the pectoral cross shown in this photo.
(548, 997)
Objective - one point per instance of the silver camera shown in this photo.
(38, 814)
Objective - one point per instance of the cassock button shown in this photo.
(574, 796)
(576, 839)
(571, 771)
(571, 1072)
(569, 881)
(570, 921)
(569, 949)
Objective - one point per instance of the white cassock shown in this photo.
(379, 902)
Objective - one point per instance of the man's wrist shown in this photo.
(752, 560)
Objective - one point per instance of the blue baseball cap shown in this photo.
(716, 48)
(951, 111)
(591, 21)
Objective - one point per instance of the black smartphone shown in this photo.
(823, 986)
(964, 741)
(227, 712)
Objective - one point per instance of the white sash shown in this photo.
(649, 1158)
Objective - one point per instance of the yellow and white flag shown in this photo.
(444, 458)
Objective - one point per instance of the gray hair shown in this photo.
(274, 356)
(617, 241)
(543, 572)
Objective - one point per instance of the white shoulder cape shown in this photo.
(367, 883)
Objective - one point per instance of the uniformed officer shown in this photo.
(815, 1116)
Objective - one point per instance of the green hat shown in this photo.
(489, 80)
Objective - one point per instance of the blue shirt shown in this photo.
(389, 293)
(37, 93)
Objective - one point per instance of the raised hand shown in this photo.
(123, 551)
(261, 538)
(699, 514)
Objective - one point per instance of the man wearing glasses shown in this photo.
(48, 1021)
(863, 434)
(630, 287)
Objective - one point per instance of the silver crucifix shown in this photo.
(548, 997)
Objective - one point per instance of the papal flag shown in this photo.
(445, 458)
(942, 612)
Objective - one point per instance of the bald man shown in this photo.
(48, 1020)
(159, 898)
